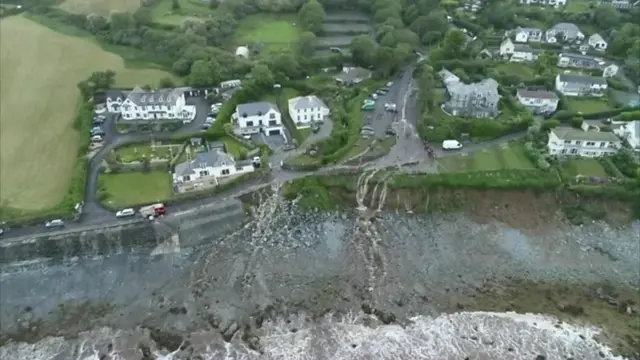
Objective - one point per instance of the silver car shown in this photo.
(54, 223)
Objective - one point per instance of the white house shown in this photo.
(139, 104)
(631, 133)
(253, 118)
(304, 110)
(597, 42)
(564, 31)
(539, 102)
(211, 165)
(554, 3)
(524, 35)
(575, 142)
(518, 52)
(580, 85)
(610, 70)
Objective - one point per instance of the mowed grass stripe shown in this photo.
(40, 72)
(99, 7)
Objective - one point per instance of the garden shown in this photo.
(511, 156)
(153, 150)
(584, 167)
(587, 105)
(268, 33)
(513, 69)
(121, 190)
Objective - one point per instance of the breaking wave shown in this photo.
(472, 335)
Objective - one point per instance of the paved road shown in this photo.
(408, 148)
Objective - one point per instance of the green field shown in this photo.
(516, 69)
(496, 158)
(588, 106)
(584, 167)
(137, 152)
(276, 33)
(40, 72)
(135, 188)
(189, 9)
(577, 6)
(99, 7)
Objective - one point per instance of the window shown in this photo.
(578, 142)
(272, 116)
(567, 141)
(298, 117)
(204, 173)
(603, 144)
(186, 178)
(249, 123)
(591, 143)
(305, 117)
(225, 172)
(574, 151)
(564, 151)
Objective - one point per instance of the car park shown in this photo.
(54, 223)
(125, 213)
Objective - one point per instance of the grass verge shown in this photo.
(127, 189)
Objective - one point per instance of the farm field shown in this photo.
(127, 189)
(40, 71)
(189, 9)
(588, 106)
(99, 7)
(497, 158)
(584, 167)
(275, 33)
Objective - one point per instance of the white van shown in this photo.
(451, 145)
(125, 213)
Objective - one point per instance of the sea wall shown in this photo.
(139, 236)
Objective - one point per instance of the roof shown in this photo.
(256, 108)
(353, 73)
(142, 97)
(538, 94)
(567, 133)
(581, 79)
(580, 57)
(487, 88)
(114, 94)
(596, 37)
(525, 48)
(565, 27)
(447, 76)
(306, 102)
(242, 51)
(529, 30)
(211, 158)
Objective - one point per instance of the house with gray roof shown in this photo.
(141, 104)
(258, 117)
(305, 110)
(579, 61)
(538, 101)
(567, 141)
(210, 166)
(518, 52)
(564, 32)
(477, 100)
(525, 35)
(580, 85)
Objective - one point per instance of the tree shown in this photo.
(577, 122)
(606, 17)
(363, 50)
(454, 44)
(166, 82)
(306, 44)
(262, 76)
(175, 5)
(200, 74)
(546, 63)
(311, 16)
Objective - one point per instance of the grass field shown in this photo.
(588, 106)
(584, 167)
(515, 69)
(99, 7)
(497, 158)
(577, 6)
(276, 33)
(126, 189)
(137, 152)
(40, 72)
(189, 9)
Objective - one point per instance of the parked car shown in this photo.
(210, 119)
(54, 223)
(374, 96)
(125, 213)
(1, 231)
(96, 138)
(389, 83)
(206, 126)
(247, 137)
(451, 145)
(97, 121)
(390, 107)
(390, 131)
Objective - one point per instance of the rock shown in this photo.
(253, 342)
(601, 354)
(146, 352)
(541, 357)
(213, 321)
(177, 310)
(386, 317)
(366, 308)
(612, 301)
(230, 330)
(459, 306)
(572, 309)
(166, 339)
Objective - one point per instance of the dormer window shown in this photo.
(259, 113)
(223, 163)
(142, 99)
(160, 98)
(244, 115)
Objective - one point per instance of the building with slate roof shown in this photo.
(140, 104)
(305, 110)
(258, 117)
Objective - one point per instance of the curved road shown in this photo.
(408, 149)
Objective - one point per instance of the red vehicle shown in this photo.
(152, 211)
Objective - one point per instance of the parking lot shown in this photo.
(379, 119)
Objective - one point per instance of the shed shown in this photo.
(242, 51)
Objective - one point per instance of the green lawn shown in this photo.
(516, 69)
(584, 167)
(496, 158)
(136, 152)
(577, 6)
(234, 148)
(304, 133)
(276, 33)
(588, 106)
(189, 9)
(135, 188)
